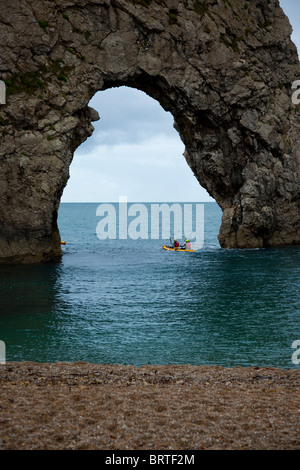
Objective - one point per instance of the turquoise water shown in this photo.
(130, 302)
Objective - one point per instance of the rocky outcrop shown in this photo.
(223, 68)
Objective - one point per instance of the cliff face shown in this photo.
(224, 69)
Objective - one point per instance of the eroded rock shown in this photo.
(224, 69)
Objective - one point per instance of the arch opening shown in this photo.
(134, 150)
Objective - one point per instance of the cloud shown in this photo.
(134, 151)
(129, 115)
(149, 170)
(159, 150)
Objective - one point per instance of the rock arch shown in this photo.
(224, 69)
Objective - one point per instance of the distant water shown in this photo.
(131, 302)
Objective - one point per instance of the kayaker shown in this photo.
(176, 243)
(186, 245)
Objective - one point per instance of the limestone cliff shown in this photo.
(223, 68)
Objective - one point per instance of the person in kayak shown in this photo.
(186, 245)
(176, 243)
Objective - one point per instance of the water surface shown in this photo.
(130, 302)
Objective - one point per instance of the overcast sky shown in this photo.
(135, 151)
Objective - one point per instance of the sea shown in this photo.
(129, 301)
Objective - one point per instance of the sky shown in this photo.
(136, 152)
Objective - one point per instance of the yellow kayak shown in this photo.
(165, 247)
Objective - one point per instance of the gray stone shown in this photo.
(224, 71)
